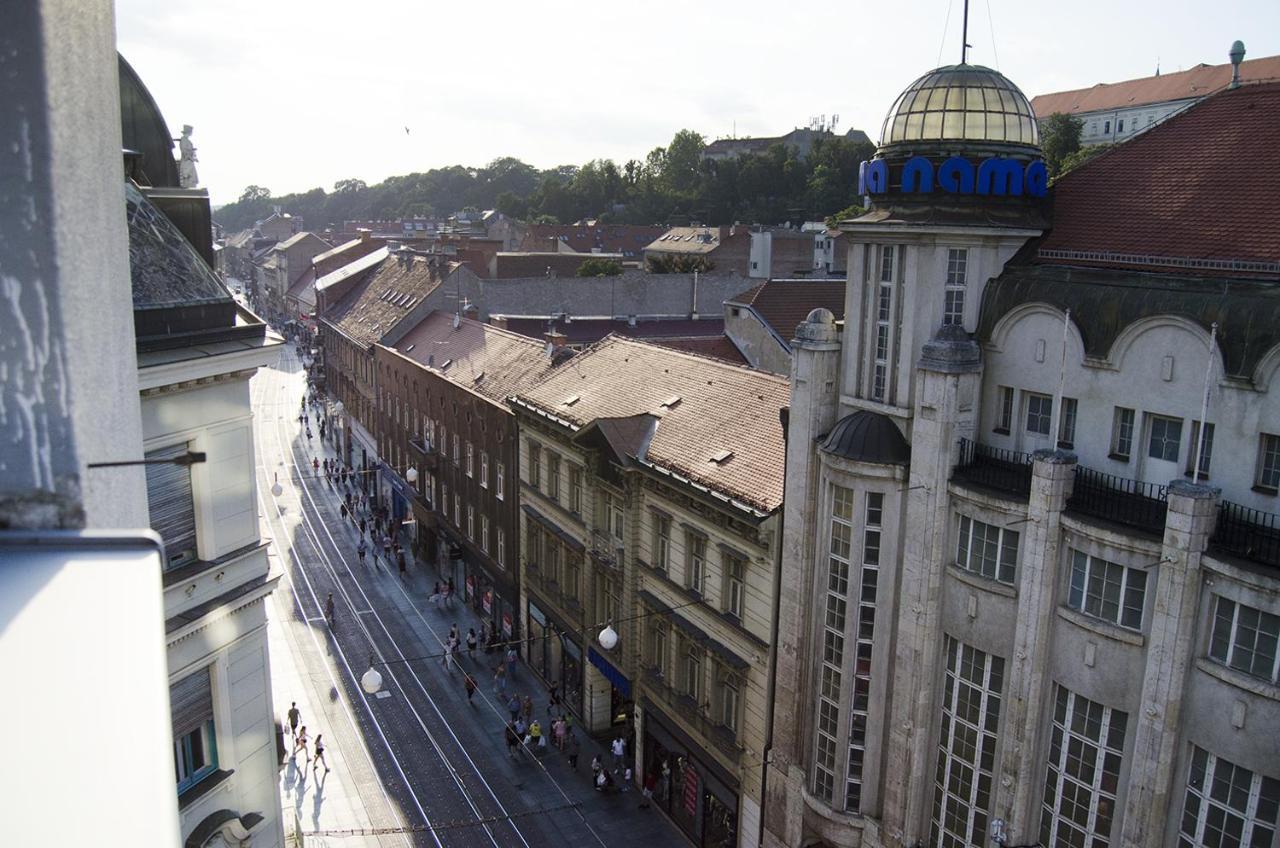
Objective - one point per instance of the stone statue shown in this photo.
(187, 164)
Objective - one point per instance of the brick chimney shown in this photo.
(555, 339)
(364, 233)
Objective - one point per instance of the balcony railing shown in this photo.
(1119, 499)
(606, 549)
(1248, 533)
(426, 452)
(993, 468)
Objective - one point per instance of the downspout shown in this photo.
(784, 415)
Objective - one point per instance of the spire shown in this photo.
(964, 35)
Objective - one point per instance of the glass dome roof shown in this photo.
(961, 103)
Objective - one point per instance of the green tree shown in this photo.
(1060, 140)
(845, 214)
(352, 185)
(678, 263)
(511, 205)
(255, 193)
(681, 169)
(597, 267)
(1081, 156)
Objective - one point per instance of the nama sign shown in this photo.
(957, 175)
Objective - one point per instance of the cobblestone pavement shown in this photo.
(418, 762)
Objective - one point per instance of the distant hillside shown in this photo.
(673, 184)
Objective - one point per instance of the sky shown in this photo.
(295, 95)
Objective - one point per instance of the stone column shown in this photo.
(1019, 778)
(1170, 647)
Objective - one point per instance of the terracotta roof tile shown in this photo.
(720, 407)
(1195, 190)
(384, 297)
(1199, 81)
(784, 304)
(717, 347)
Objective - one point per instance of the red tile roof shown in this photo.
(718, 347)
(381, 300)
(784, 304)
(1199, 81)
(1197, 192)
(504, 362)
(704, 408)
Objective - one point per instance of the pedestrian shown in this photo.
(315, 464)
(401, 564)
(322, 436)
(596, 767)
(320, 754)
(602, 781)
(513, 741)
(453, 631)
(386, 548)
(528, 707)
(448, 655)
(500, 680)
(619, 749)
(300, 741)
(650, 782)
(625, 786)
(328, 609)
(484, 636)
(553, 697)
(309, 433)
(537, 742)
(361, 548)
(471, 641)
(362, 529)
(557, 730)
(295, 715)
(513, 707)
(470, 684)
(342, 511)
(571, 748)
(511, 662)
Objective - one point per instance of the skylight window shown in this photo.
(446, 365)
(721, 457)
(571, 400)
(672, 402)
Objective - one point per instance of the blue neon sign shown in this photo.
(996, 176)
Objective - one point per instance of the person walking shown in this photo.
(513, 707)
(571, 747)
(363, 525)
(386, 549)
(471, 643)
(328, 609)
(557, 731)
(511, 662)
(619, 749)
(295, 715)
(453, 631)
(400, 563)
(597, 768)
(500, 680)
(315, 464)
(537, 742)
(650, 782)
(361, 547)
(553, 700)
(300, 741)
(469, 683)
(320, 754)
(528, 707)
(342, 510)
(513, 740)
(448, 654)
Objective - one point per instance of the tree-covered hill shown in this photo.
(672, 185)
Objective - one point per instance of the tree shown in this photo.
(681, 171)
(845, 214)
(255, 193)
(678, 263)
(597, 267)
(344, 186)
(511, 205)
(1059, 139)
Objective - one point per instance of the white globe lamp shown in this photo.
(608, 637)
(411, 475)
(276, 488)
(371, 681)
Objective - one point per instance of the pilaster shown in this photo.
(1019, 776)
(1170, 643)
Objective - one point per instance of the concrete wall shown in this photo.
(757, 342)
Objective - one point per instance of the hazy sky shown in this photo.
(294, 95)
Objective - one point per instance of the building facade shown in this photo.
(650, 487)
(1023, 601)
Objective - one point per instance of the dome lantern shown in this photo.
(961, 103)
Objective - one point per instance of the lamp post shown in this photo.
(371, 680)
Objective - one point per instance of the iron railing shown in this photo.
(1003, 470)
(1248, 533)
(1119, 499)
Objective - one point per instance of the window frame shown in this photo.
(1230, 641)
(695, 551)
(575, 489)
(1267, 468)
(661, 539)
(1069, 733)
(1202, 798)
(1164, 422)
(1002, 571)
(534, 473)
(956, 286)
(1004, 410)
(484, 469)
(183, 751)
(1206, 460)
(1123, 423)
(1081, 591)
(735, 584)
(1041, 414)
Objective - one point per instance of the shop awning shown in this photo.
(615, 677)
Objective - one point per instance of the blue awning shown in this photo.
(620, 682)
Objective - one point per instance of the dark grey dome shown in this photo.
(866, 436)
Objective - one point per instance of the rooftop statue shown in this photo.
(187, 164)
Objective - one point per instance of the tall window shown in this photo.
(658, 646)
(532, 544)
(957, 273)
(1039, 414)
(484, 532)
(455, 448)
(1165, 438)
(831, 670)
(457, 511)
(1106, 590)
(1067, 423)
(551, 559)
(500, 483)
(1004, 413)
(1227, 805)
(1122, 433)
(535, 464)
(575, 490)
(691, 669)
(730, 695)
(501, 544)
(572, 576)
(1245, 639)
(884, 319)
(195, 750)
(471, 522)
(987, 549)
(1268, 477)
(444, 499)
(471, 460)
(735, 584)
(1205, 455)
(661, 541)
(613, 516)
(873, 517)
(484, 469)
(966, 746)
(1085, 748)
(553, 476)
(695, 547)
(172, 509)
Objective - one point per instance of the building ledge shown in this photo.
(1114, 632)
(1238, 679)
(211, 782)
(192, 570)
(978, 581)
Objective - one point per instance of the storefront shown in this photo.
(620, 702)
(698, 795)
(556, 656)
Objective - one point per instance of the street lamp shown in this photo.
(371, 680)
(412, 476)
(608, 637)
(276, 488)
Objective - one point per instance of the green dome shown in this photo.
(961, 103)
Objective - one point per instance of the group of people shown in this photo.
(301, 741)
(525, 731)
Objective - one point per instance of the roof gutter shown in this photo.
(542, 413)
(707, 490)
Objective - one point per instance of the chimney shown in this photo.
(555, 339)
(1237, 56)
(472, 312)
(364, 233)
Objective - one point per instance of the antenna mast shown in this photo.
(964, 35)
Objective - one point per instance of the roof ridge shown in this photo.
(719, 363)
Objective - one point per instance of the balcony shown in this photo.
(992, 468)
(605, 549)
(1248, 533)
(1119, 499)
(426, 452)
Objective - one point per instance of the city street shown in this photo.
(417, 764)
